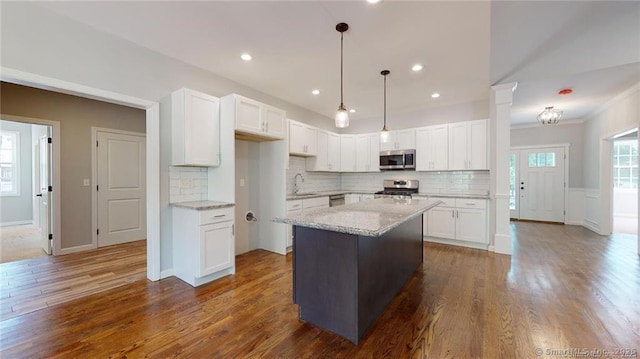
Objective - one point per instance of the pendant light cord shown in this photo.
(385, 102)
(341, 66)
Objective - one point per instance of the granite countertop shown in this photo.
(323, 194)
(371, 218)
(202, 205)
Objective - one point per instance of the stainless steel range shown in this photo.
(402, 189)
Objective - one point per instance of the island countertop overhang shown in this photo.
(371, 218)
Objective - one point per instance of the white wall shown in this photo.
(247, 170)
(433, 116)
(19, 209)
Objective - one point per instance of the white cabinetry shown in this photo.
(327, 157)
(355, 198)
(203, 244)
(432, 148)
(195, 128)
(255, 118)
(461, 219)
(347, 153)
(297, 206)
(303, 139)
(368, 152)
(400, 140)
(468, 145)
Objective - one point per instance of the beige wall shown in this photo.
(76, 116)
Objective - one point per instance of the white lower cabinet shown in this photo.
(355, 198)
(203, 244)
(297, 206)
(462, 219)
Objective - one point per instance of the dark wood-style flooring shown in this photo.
(565, 287)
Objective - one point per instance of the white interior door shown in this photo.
(541, 184)
(44, 175)
(121, 189)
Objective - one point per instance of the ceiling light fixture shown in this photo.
(315, 92)
(373, 1)
(352, 110)
(435, 95)
(246, 57)
(342, 117)
(549, 116)
(417, 67)
(384, 133)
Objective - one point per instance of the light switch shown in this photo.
(241, 182)
(85, 182)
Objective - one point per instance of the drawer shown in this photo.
(446, 201)
(315, 202)
(471, 203)
(216, 215)
(294, 205)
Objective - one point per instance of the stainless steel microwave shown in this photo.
(398, 160)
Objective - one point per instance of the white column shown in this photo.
(500, 144)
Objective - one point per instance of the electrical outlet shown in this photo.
(186, 183)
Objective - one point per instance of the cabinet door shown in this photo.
(471, 225)
(216, 248)
(274, 121)
(374, 152)
(320, 161)
(442, 223)
(201, 129)
(458, 146)
(477, 155)
(423, 149)
(406, 139)
(439, 140)
(248, 115)
(297, 138)
(362, 153)
(289, 240)
(391, 142)
(333, 154)
(347, 153)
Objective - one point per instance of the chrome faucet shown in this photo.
(295, 183)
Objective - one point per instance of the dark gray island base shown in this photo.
(344, 282)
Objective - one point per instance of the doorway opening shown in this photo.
(26, 184)
(625, 183)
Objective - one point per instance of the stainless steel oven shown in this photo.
(398, 160)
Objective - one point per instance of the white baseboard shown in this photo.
(16, 223)
(592, 225)
(456, 242)
(502, 244)
(166, 273)
(86, 247)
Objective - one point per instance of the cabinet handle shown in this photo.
(470, 204)
(267, 126)
(457, 214)
(453, 214)
(219, 215)
(233, 229)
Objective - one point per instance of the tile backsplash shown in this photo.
(188, 184)
(313, 181)
(476, 182)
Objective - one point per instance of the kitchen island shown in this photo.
(350, 261)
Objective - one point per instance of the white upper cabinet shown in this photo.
(327, 157)
(468, 145)
(255, 118)
(303, 139)
(347, 153)
(195, 129)
(432, 148)
(368, 152)
(400, 140)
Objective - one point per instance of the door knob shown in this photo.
(39, 195)
(521, 187)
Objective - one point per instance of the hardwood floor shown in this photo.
(565, 287)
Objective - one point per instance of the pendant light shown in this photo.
(342, 117)
(549, 116)
(384, 133)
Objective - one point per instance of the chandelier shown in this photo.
(549, 116)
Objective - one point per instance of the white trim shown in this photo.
(57, 187)
(76, 249)
(16, 223)
(502, 244)
(166, 273)
(514, 148)
(153, 149)
(94, 175)
(538, 125)
(502, 196)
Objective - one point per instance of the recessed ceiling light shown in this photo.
(373, 1)
(246, 57)
(352, 111)
(435, 95)
(417, 67)
(315, 92)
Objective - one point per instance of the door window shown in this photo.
(542, 159)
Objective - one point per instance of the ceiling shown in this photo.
(593, 47)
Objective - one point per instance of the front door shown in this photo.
(44, 174)
(541, 184)
(121, 188)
